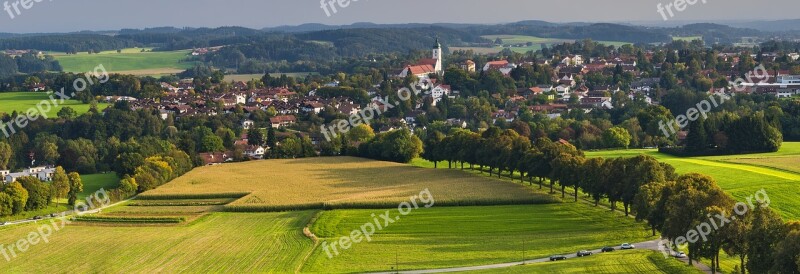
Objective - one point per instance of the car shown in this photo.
(607, 249)
(680, 254)
(558, 257)
(2, 223)
(37, 217)
(584, 253)
(53, 215)
(626, 246)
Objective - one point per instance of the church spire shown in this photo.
(437, 45)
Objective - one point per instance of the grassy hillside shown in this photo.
(129, 61)
(441, 237)
(22, 101)
(341, 182)
(742, 175)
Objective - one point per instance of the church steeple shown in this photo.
(437, 54)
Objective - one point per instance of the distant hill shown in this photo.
(774, 26)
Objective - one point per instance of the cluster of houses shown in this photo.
(44, 174)
(566, 93)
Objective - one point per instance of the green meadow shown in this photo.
(441, 237)
(22, 101)
(741, 175)
(129, 61)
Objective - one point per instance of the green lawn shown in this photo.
(737, 177)
(463, 236)
(94, 182)
(633, 261)
(22, 101)
(130, 61)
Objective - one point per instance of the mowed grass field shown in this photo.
(741, 175)
(523, 39)
(633, 261)
(338, 182)
(217, 243)
(440, 237)
(22, 101)
(129, 61)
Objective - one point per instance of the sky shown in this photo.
(77, 15)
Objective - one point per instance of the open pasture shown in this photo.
(22, 101)
(740, 175)
(129, 61)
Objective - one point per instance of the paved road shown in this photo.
(64, 214)
(650, 245)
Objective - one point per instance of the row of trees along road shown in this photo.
(671, 204)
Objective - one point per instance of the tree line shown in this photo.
(671, 204)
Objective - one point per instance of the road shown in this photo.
(650, 245)
(64, 214)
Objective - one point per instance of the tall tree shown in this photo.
(5, 154)
(60, 185)
(75, 187)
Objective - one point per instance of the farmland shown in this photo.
(634, 261)
(174, 234)
(22, 101)
(741, 175)
(512, 42)
(440, 237)
(222, 242)
(129, 61)
(340, 182)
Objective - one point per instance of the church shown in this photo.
(426, 66)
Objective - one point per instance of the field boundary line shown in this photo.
(743, 167)
(757, 165)
(307, 232)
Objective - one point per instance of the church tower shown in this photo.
(437, 54)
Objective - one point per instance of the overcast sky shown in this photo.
(75, 15)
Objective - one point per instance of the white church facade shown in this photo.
(427, 66)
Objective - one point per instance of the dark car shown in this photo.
(607, 249)
(558, 257)
(584, 253)
(37, 217)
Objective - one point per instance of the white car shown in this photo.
(680, 254)
(627, 246)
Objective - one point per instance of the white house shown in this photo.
(44, 174)
(562, 90)
(439, 92)
(575, 60)
(255, 152)
(247, 124)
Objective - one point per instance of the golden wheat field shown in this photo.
(341, 182)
